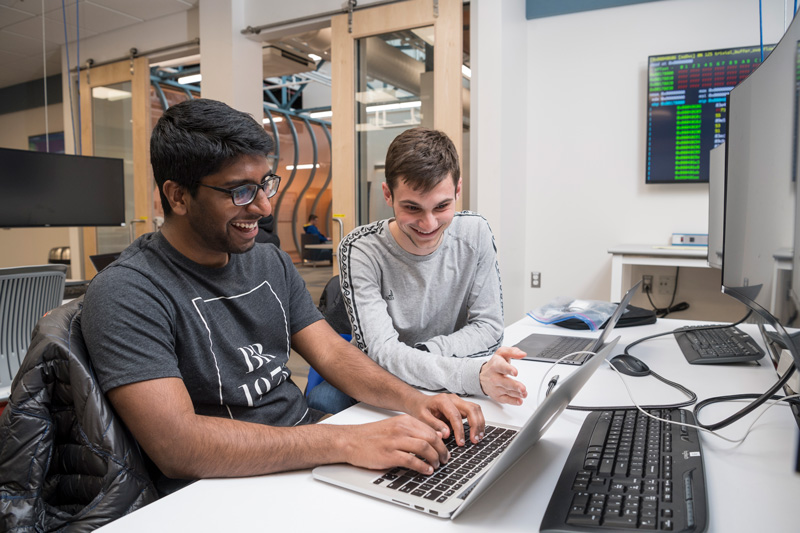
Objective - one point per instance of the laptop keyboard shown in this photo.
(466, 462)
(565, 345)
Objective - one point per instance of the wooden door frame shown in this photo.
(446, 18)
(137, 72)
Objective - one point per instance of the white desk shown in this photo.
(624, 256)
(751, 487)
(321, 246)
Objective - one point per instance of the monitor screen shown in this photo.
(716, 205)
(47, 189)
(759, 225)
(795, 283)
(686, 109)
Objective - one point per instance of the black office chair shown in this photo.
(67, 462)
(331, 305)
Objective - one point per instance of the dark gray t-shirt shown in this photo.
(225, 331)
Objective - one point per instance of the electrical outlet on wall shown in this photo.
(647, 283)
(666, 284)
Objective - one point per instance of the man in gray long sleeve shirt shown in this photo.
(422, 289)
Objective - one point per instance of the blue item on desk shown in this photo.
(633, 316)
(571, 349)
(591, 314)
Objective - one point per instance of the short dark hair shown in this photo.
(312, 217)
(422, 158)
(199, 137)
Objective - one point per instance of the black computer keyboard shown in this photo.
(629, 471)
(719, 345)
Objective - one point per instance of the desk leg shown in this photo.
(616, 278)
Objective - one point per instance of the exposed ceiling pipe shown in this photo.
(389, 64)
(384, 62)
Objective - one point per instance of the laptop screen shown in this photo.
(612, 322)
(101, 261)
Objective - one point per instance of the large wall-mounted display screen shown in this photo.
(45, 189)
(687, 109)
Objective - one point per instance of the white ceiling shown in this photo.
(23, 52)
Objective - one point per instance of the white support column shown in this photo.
(498, 132)
(230, 63)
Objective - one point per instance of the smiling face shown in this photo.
(208, 226)
(420, 218)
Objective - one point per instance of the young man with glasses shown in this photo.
(423, 289)
(190, 330)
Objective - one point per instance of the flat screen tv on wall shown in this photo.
(39, 189)
(687, 109)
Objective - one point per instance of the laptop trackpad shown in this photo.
(536, 343)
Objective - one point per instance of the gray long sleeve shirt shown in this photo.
(430, 320)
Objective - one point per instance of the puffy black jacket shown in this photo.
(66, 460)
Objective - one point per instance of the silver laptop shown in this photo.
(550, 348)
(429, 494)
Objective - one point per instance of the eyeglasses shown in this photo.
(245, 194)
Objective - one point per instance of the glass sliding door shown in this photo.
(394, 67)
(394, 92)
(113, 137)
(115, 122)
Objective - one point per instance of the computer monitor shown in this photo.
(686, 109)
(759, 221)
(795, 283)
(41, 189)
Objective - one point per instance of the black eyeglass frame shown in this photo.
(250, 186)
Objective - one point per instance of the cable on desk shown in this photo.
(555, 379)
(671, 332)
(768, 396)
(689, 393)
(759, 399)
(699, 426)
(552, 383)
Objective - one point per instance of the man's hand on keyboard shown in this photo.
(442, 409)
(495, 377)
(398, 441)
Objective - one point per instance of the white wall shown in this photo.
(586, 125)
(29, 246)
